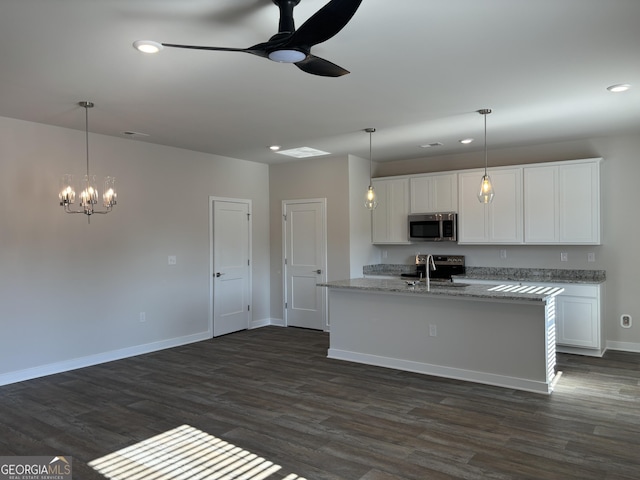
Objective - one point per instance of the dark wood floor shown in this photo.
(273, 392)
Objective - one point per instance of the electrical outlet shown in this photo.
(503, 254)
(143, 316)
(625, 320)
(563, 257)
(591, 257)
(172, 260)
(433, 332)
(384, 254)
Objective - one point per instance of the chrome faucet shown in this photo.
(433, 267)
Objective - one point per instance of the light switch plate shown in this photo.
(563, 257)
(172, 260)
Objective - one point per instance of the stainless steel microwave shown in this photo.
(433, 227)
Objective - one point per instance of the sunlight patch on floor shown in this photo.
(185, 453)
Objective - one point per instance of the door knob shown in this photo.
(318, 271)
(218, 274)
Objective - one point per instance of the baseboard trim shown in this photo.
(264, 322)
(81, 362)
(623, 346)
(440, 371)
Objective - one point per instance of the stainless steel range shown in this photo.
(446, 266)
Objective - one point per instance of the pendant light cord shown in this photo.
(370, 132)
(370, 160)
(485, 143)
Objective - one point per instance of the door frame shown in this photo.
(325, 320)
(246, 201)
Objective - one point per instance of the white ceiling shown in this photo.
(420, 69)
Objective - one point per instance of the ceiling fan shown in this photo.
(290, 45)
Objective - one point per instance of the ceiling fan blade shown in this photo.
(197, 47)
(324, 24)
(319, 66)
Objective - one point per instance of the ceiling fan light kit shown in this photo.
(287, 56)
(290, 45)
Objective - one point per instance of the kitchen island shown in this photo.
(491, 334)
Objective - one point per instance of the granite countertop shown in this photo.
(544, 275)
(494, 292)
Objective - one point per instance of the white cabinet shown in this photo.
(500, 221)
(389, 219)
(562, 203)
(578, 315)
(434, 193)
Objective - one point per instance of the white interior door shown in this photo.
(231, 260)
(305, 248)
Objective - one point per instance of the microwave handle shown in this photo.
(441, 227)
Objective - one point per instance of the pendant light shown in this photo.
(370, 201)
(486, 192)
(89, 194)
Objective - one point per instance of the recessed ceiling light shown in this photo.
(620, 87)
(466, 141)
(147, 46)
(303, 152)
(429, 145)
(274, 148)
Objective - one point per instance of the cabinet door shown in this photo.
(421, 189)
(497, 222)
(541, 221)
(389, 219)
(579, 203)
(434, 193)
(505, 212)
(445, 193)
(472, 215)
(577, 321)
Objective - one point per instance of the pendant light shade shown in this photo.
(370, 201)
(486, 192)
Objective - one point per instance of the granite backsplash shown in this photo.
(553, 275)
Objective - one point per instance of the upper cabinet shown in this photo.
(555, 203)
(562, 203)
(434, 193)
(499, 222)
(389, 219)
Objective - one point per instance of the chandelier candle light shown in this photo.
(89, 194)
(370, 201)
(486, 193)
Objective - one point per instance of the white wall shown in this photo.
(621, 227)
(71, 292)
(322, 177)
(361, 250)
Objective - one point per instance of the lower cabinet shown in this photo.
(578, 315)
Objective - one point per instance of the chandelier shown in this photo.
(89, 190)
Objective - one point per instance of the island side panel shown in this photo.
(487, 341)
